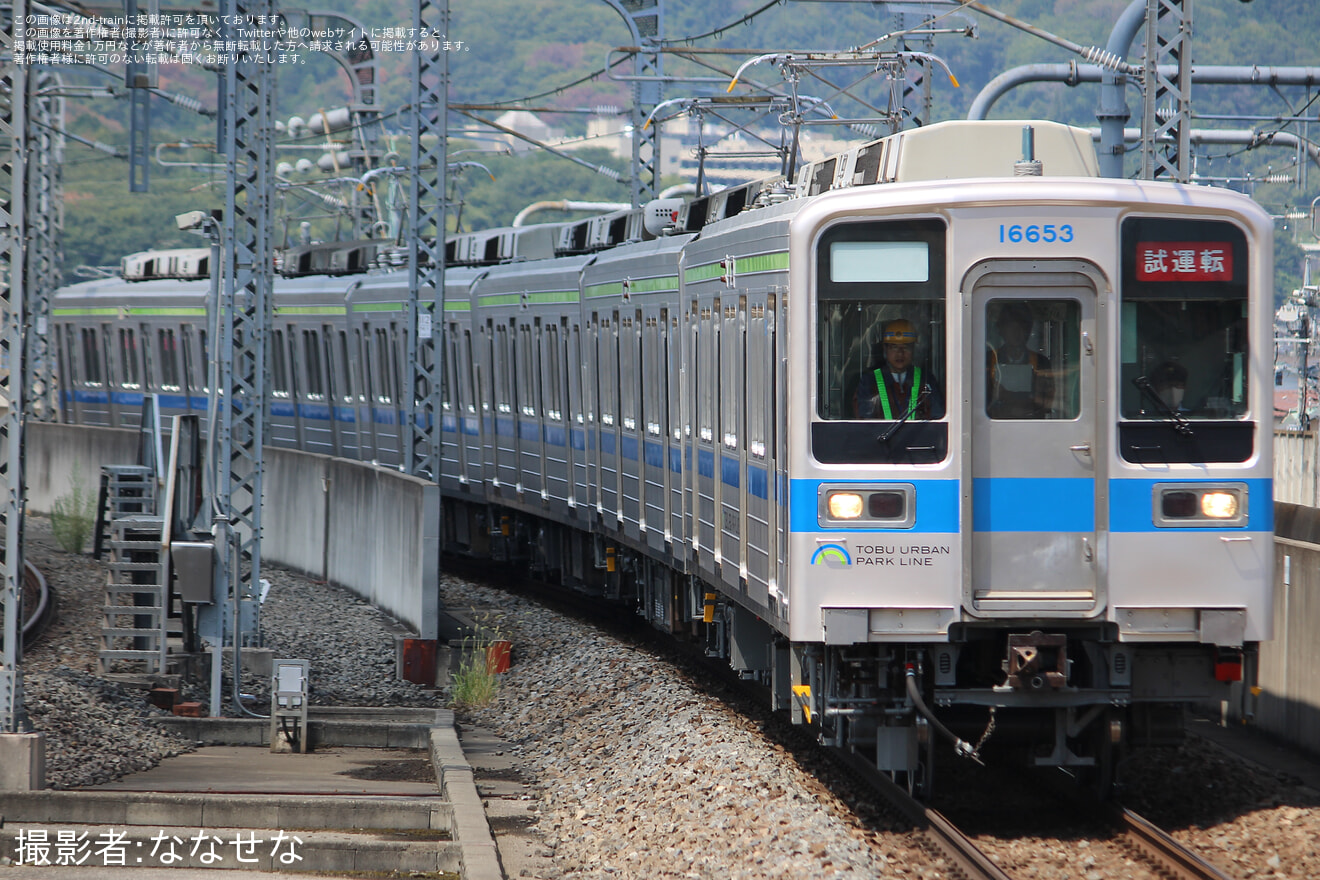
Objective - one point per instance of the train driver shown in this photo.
(895, 387)
(1019, 384)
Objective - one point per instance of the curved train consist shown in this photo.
(1055, 542)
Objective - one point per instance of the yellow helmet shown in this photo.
(900, 332)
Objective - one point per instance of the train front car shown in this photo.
(1030, 460)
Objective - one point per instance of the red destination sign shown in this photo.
(1184, 261)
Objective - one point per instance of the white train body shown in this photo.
(679, 422)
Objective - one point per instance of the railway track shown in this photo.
(39, 601)
(1170, 858)
(965, 859)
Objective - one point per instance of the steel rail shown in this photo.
(1168, 855)
(964, 857)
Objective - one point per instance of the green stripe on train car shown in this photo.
(775, 262)
(169, 311)
(380, 307)
(501, 299)
(613, 288)
(652, 285)
(558, 296)
(310, 310)
(75, 313)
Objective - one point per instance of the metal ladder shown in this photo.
(126, 490)
(135, 626)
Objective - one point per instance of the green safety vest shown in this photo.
(884, 393)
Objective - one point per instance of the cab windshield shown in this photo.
(1183, 324)
(880, 331)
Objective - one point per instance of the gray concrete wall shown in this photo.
(366, 528)
(1289, 703)
(54, 450)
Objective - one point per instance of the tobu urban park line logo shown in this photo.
(832, 555)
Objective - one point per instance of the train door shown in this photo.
(554, 367)
(705, 397)
(655, 424)
(504, 466)
(630, 433)
(1035, 504)
(335, 386)
(672, 365)
(581, 441)
(469, 425)
(366, 417)
(68, 379)
(607, 369)
(758, 509)
(730, 463)
(528, 415)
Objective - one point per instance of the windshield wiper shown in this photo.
(921, 398)
(1180, 423)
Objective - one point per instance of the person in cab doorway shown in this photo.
(1019, 384)
(895, 387)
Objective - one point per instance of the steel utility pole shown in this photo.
(1166, 113)
(13, 174)
(246, 279)
(427, 351)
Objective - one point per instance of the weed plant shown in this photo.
(73, 515)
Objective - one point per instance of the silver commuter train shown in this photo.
(676, 420)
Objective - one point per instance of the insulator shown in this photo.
(1108, 60)
(609, 172)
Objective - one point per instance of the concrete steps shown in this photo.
(242, 807)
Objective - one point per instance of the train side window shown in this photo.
(607, 366)
(169, 363)
(279, 371)
(148, 360)
(366, 392)
(552, 371)
(186, 352)
(314, 384)
(68, 356)
(91, 358)
(204, 349)
(525, 358)
(398, 352)
(628, 343)
(128, 359)
(345, 369)
(383, 366)
(732, 375)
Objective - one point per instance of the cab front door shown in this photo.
(1034, 502)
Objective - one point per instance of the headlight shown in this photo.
(845, 505)
(1198, 505)
(1219, 505)
(854, 505)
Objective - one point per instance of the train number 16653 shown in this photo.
(1048, 233)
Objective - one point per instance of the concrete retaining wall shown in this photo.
(53, 451)
(1289, 704)
(372, 530)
